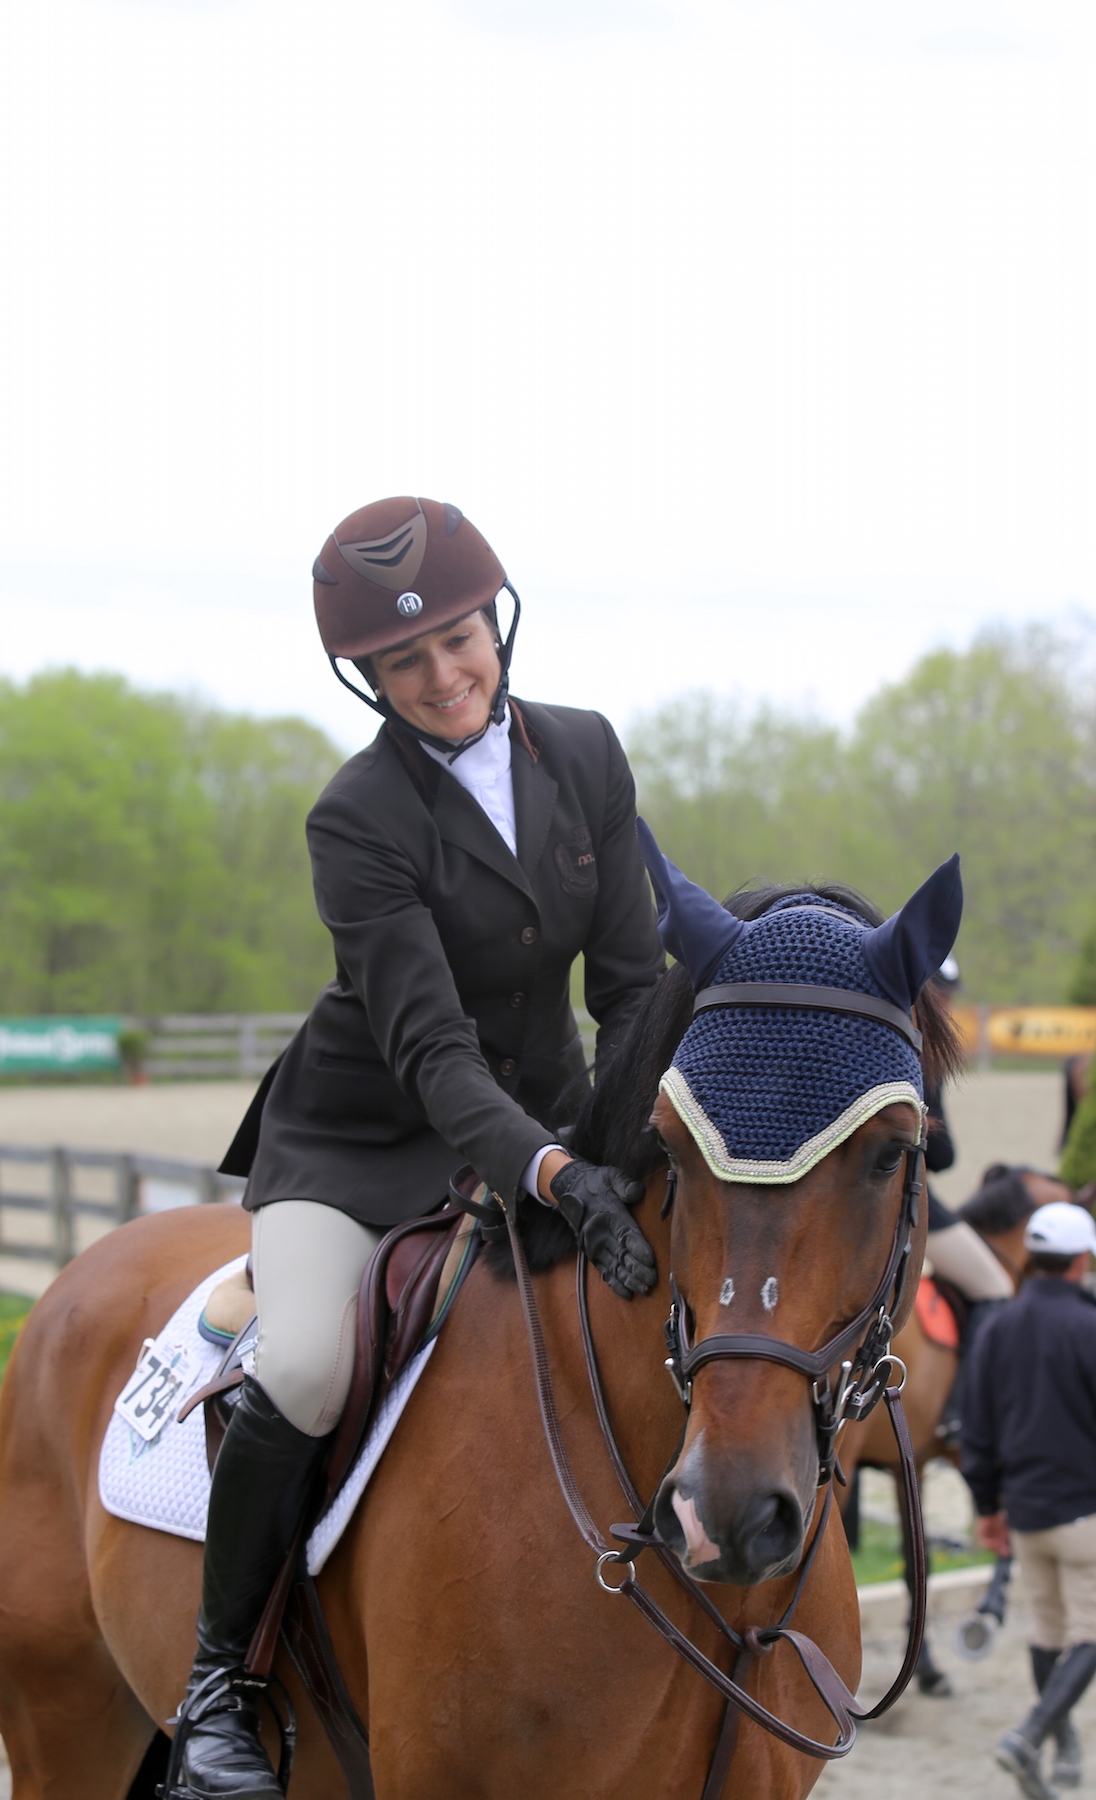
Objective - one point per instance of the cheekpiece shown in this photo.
(768, 1090)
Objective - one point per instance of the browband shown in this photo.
(818, 999)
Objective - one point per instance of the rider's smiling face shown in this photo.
(443, 682)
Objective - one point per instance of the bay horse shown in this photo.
(472, 1635)
(998, 1211)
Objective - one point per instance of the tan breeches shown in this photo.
(1059, 1573)
(960, 1256)
(308, 1261)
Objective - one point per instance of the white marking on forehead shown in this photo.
(726, 1292)
(770, 1294)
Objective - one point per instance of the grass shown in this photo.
(879, 1557)
(13, 1310)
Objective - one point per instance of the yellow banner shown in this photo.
(1042, 1030)
(1025, 1030)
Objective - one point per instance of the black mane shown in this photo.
(609, 1122)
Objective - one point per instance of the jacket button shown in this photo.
(507, 1066)
(529, 935)
(517, 1000)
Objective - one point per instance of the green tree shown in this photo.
(152, 854)
(1082, 987)
(988, 752)
(1078, 1162)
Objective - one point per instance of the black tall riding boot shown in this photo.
(263, 1481)
(1069, 1761)
(1018, 1751)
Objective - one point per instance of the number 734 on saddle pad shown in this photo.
(152, 1393)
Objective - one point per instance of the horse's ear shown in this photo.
(693, 927)
(911, 945)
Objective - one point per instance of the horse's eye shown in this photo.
(665, 1149)
(889, 1160)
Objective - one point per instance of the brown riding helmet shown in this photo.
(397, 568)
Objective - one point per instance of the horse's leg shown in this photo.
(931, 1679)
(71, 1724)
(70, 1715)
(850, 1508)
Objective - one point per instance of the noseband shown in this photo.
(862, 1347)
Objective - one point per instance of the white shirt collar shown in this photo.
(483, 761)
(483, 770)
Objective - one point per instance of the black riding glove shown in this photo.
(594, 1201)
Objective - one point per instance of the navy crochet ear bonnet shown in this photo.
(768, 1091)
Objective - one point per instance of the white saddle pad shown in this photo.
(162, 1480)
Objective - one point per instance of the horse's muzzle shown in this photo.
(729, 1530)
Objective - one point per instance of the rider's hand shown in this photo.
(595, 1200)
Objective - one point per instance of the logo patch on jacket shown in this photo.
(577, 863)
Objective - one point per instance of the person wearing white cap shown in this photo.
(1029, 1456)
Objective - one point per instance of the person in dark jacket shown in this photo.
(461, 863)
(1029, 1456)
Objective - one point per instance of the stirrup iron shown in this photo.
(205, 1699)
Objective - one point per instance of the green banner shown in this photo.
(36, 1046)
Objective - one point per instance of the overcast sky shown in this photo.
(759, 339)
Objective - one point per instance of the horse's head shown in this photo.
(794, 1264)
(792, 1117)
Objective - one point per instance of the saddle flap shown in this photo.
(395, 1306)
(935, 1315)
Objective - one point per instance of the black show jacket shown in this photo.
(447, 1035)
(1029, 1421)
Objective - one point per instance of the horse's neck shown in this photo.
(646, 1414)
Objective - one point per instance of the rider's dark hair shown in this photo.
(1001, 1203)
(1045, 1264)
(365, 666)
(612, 1124)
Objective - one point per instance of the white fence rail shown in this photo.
(124, 1185)
(241, 1045)
(234, 1045)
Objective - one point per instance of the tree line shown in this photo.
(152, 852)
(989, 751)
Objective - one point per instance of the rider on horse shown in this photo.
(953, 1248)
(461, 863)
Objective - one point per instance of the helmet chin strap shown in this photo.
(446, 746)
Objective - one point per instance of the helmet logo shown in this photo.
(409, 605)
(392, 561)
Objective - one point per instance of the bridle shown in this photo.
(861, 1348)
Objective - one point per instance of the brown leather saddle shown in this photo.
(407, 1289)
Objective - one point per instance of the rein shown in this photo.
(860, 1388)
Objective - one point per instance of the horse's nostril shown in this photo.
(725, 1542)
(776, 1529)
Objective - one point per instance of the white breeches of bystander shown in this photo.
(1058, 1568)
